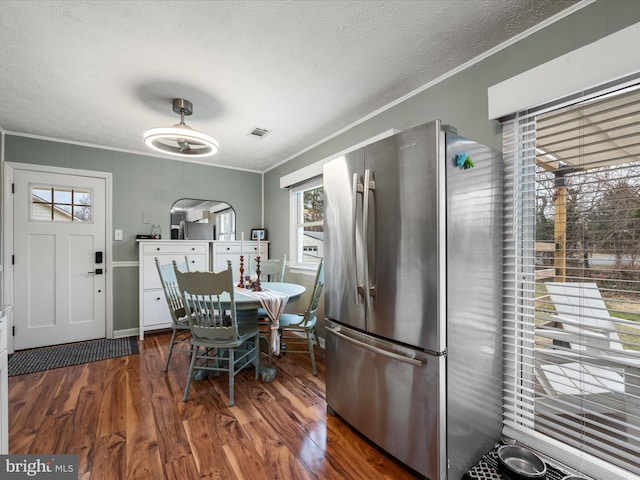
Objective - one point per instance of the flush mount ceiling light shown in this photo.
(181, 140)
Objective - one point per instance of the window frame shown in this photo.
(225, 217)
(296, 228)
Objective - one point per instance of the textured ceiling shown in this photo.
(102, 72)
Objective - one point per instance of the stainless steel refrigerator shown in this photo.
(413, 304)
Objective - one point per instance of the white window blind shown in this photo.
(572, 283)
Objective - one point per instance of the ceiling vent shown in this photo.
(258, 132)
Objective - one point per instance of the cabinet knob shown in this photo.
(157, 298)
(158, 248)
(228, 248)
(193, 248)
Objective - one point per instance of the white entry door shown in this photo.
(59, 258)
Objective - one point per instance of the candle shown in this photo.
(242, 244)
(258, 244)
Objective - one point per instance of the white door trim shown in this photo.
(8, 229)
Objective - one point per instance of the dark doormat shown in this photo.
(47, 358)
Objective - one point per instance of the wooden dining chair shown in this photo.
(271, 270)
(216, 336)
(181, 330)
(298, 333)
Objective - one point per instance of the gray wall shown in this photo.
(148, 185)
(460, 100)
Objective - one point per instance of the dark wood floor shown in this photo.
(125, 419)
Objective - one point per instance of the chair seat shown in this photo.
(291, 321)
(244, 333)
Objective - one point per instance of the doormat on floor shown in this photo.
(47, 358)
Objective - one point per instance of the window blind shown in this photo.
(572, 282)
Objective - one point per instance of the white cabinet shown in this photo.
(4, 387)
(223, 251)
(154, 312)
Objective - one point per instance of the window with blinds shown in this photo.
(307, 207)
(572, 283)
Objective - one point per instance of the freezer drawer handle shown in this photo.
(386, 353)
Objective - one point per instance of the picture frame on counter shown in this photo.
(258, 234)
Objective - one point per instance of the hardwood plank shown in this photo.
(208, 453)
(22, 444)
(343, 439)
(172, 439)
(181, 468)
(32, 405)
(85, 424)
(109, 457)
(112, 405)
(70, 382)
(279, 460)
(125, 419)
(142, 454)
(44, 442)
(143, 461)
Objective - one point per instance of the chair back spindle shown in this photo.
(181, 335)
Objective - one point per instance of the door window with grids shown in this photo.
(60, 204)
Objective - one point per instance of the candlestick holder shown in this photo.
(241, 283)
(258, 287)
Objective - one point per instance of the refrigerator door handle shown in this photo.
(396, 356)
(369, 186)
(358, 188)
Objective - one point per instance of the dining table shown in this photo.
(248, 302)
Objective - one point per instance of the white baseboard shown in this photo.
(128, 332)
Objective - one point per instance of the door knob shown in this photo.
(97, 271)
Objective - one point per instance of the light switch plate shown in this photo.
(117, 234)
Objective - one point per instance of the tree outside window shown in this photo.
(310, 225)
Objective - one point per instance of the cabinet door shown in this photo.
(156, 310)
(151, 277)
(231, 251)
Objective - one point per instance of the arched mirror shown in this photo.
(193, 219)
